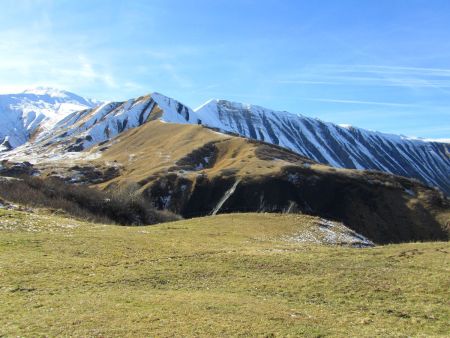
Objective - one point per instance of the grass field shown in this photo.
(226, 275)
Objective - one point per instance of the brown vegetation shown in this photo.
(165, 163)
(117, 207)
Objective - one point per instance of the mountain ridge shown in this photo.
(324, 142)
(195, 171)
(155, 148)
(331, 144)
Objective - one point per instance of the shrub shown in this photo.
(119, 206)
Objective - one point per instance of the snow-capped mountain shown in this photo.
(34, 111)
(82, 129)
(338, 146)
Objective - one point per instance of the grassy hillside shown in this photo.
(188, 169)
(156, 148)
(236, 274)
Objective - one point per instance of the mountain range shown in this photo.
(338, 146)
(48, 121)
(228, 157)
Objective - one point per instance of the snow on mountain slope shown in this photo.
(82, 129)
(35, 111)
(338, 146)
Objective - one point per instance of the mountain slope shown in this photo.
(195, 171)
(343, 147)
(83, 129)
(35, 111)
(198, 172)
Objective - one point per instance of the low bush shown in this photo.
(119, 206)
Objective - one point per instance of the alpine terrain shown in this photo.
(201, 214)
(327, 143)
(273, 242)
(26, 115)
(159, 149)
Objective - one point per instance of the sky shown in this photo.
(377, 64)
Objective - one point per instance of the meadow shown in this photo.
(226, 275)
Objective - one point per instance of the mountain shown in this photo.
(83, 129)
(32, 112)
(338, 146)
(193, 170)
(327, 143)
(264, 260)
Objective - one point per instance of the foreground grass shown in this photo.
(224, 275)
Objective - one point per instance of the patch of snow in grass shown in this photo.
(331, 233)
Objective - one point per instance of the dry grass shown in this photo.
(148, 151)
(227, 275)
(114, 207)
(158, 160)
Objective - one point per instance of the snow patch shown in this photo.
(331, 233)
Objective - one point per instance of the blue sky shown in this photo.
(377, 64)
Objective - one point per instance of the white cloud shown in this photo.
(372, 103)
(372, 75)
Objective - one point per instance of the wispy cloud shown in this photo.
(371, 75)
(358, 102)
(383, 69)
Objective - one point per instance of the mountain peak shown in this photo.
(34, 111)
(339, 146)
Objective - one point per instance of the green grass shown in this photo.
(227, 275)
